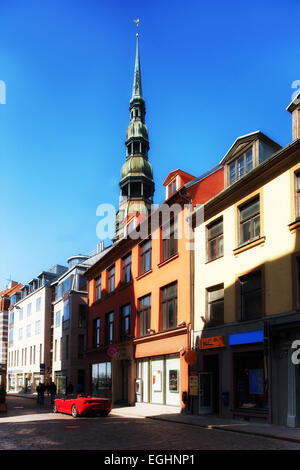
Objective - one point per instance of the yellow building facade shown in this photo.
(247, 284)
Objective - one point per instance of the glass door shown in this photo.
(205, 393)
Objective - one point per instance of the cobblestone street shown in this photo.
(28, 426)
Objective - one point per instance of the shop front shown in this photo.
(250, 375)
(161, 371)
(158, 380)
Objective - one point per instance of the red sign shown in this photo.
(212, 342)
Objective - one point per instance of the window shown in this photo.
(37, 327)
(28, 331)
(297, 195)
(28, 310)
(215, 240)
(144, 315)
(172, 188)
(98, 288)
(82, 283)
(57, 318)
(20, 314)
(241, 166)
(145, 256)
(66, 317)
(59, 292)
(250, 296)
(67, 284)
(169, 306)
(96, 332)
(111, 279)
(80, 346)
(249, 219)
(125, 322)
(38, 304)
(169, 240)
(20, 333)
(215, 305)
(126, 269)
(250, 381)
(82, 316)
(101, 380)
(110, 328)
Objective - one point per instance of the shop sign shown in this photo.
(212, 342)
(246, 338)
(193, 385)
(42, 369)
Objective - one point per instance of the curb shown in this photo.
(217, 428)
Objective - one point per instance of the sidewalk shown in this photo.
(171, 413)
(168, 413)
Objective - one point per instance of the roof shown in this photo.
(294, 103)
(245, 139)
(174, 173)
(11, 291)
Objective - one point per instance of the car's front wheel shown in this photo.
(75, 413)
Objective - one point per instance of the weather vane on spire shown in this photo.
(137, 20)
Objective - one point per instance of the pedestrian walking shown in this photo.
(42, 391)
(52, 390)
(38, 391)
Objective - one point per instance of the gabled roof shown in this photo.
(244, 140)
(12, 290)
(294, 103)
(174, 173)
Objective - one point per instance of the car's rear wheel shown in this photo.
(75, 413)
(55, 408)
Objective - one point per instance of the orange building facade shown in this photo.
(141, 302)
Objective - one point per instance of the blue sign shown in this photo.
(246, 338)
(256, 381)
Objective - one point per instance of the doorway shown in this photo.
(209, 385)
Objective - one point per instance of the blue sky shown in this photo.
(211, 71)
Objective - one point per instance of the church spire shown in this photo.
(137, 79)
(136, 184)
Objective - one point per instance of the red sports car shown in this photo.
(82, 405)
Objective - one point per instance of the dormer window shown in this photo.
(240, 166)
(172, 188)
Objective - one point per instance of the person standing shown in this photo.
(42, 391)
(52, 390)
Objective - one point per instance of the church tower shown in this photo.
(136, 184)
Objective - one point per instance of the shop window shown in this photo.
(125, 322)
(215, 305)
(169, 240)
(169, 306)
(101, 380)
(251, 381)
(126, 269)
(215, 240)
(249, 221)
(250, 296)
(145, 256)
(144, 315)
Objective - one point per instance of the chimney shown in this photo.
(294, 109)
(12, 284)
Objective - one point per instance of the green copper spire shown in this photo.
(137, 80)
